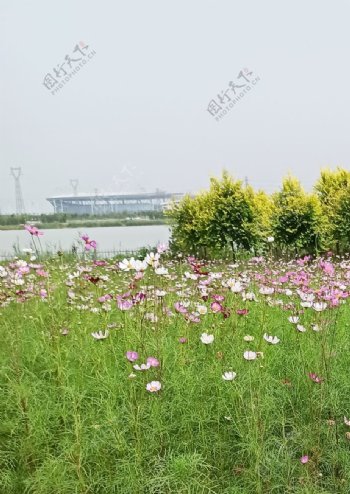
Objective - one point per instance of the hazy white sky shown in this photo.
(140, 104)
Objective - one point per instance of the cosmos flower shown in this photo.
(216, 307)
(301, 328)
(162, 248)
(293, 319)
(180, 308)
(99, 335)
(271, 339)
(33, 230)
(141, 367)
(319, 306)
(132, 355)
(304, 459)
(270, 239)
(266, 290)
(182, 339)
(124, 304)
(153, 362)
(315, 378)
(153, 386)
(242, 312)
(207, 339)
(89, 244)
(229, 376)
(161, 270)
(249, 355)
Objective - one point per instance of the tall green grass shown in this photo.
(73, 421)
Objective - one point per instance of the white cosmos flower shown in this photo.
(288, 292)
(207, 339)
(249, 355)
(306, 297)
(152, 259)
(319, 306)
(237, 287)
(271, 339)
(270, 239)
(306, 304)
(229, 376)
(301, 328)
(142, 367)
(3, 272)
(100, 335)
(161, 270)
(202, 309)
(138, 265)
(346, 421)
(293, 319)
(153, 386)
(126, 265)
(266, 290)
(160, 293)
(250, 296)
(315, 327)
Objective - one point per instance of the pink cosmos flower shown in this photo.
(304, 459)
(124, 304)
(132, 356)
(182, 339)
(33, 230)
(180, 308)
(315, 378)
(216, 307)
(218, 298)
(89, 244)
(242, 312)
(43, 293)
(152, 361)
(161, 248)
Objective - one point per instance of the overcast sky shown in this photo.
(135, 116)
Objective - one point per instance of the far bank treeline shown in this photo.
(233, 217)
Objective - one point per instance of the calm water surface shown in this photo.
(107, 238)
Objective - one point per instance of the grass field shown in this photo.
(219, 405)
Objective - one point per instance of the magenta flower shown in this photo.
(180, 308)
(124, 304)
(132, 356)
(153, 362)
(216, 307)
(242, 312)
(218, 298)
(315, 378)
(33, 230)
(304, 459)
(89, 244)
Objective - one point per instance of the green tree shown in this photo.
(297, 220)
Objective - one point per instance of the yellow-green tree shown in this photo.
(332, 189)
(297, 219)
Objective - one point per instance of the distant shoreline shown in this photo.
(88, 224)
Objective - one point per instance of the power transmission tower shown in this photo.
(16, 173)
(74, 183)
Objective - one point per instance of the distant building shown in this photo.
(113, 203)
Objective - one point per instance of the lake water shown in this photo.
(108, 238)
